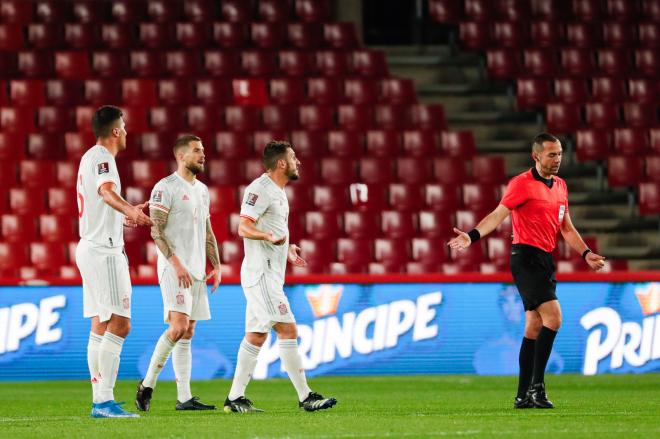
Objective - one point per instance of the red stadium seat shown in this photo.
(382, 143)
(12, 256)
(42, 146)
(652, 168)
(12, 147)
(45, 256)
(273, 10)
(331, 198)
(233, 145)
(427, 117)
(235, 11)
(111, 64)
(440, 197)
(340, 35)
(135, 118)
(267, 35)
(618, 34)
(649, 35)
(27, 201)
(429, 251)
(258, 63)
(391, 117)
(369, 62)
(479, 197)
(17, 120)
(185, 63)
(489, 169)
(639, 115)
(374, 170)
(546, 34)
(397, 224)
(34, 64)
(77, 143)
(18, 228)
(250, 92)
(11, 37)
(571, 90)
(643, 90)
(147, 63)
(541, 63)
(304, 35)
(332, 63)
(583, 35)
(146, 173)
(66, 173)
(312, 10)
(562, 118)
(576, 62)
(413, 170)
(434, 224)
(221, 63)
(446, 11)
(72, 65)
(56, 228)
(587, 10)
(354, 117)
(139, 92)
(391, 253)
(361, 91)
(213, 91)
(605, 89)
(225, 172)
(474, 35)
(359, 225)
(654, 140)
(367, 197)
(175, 91)
(191, 35)
(55, 119)
(200, 11)
(499, 252)
(503, 63)
(649, 198)
(163, 11)
(397, 91)
(156, 35)
(286, 91)
(230, 35)
(469, 258)
(27, 92)
(532, 93)
(91, 11)
(37, 173)
(295, 63)
(16, 11)
(337, 171)
(449, 170)
(592, 144)
(630, 141)
(354, 251)
(127, 11)
(279, 118)
(624, 171)
(63, 93)
(323, 90)
(614, 62)
(204, 118)
(510, 34)
(45, 35)
(347, 144)
(309, 144)
(118, 36)
(458, 143)
(318, 253)
(166, 119)
(322, 225)
(157, 145)
(240, 118)
(316, 117)
(404, 197)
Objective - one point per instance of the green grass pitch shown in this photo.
(620, 406)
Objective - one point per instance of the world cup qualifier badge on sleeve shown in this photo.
(252, 199)
(157, 197)
(104, 168)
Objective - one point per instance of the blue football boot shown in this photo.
(111, 409)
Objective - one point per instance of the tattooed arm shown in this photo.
(159, 218)
(213, 255)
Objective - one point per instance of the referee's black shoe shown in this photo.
(315, 402)
(538, 397)
(523, 403)
(143, 397)
(194, 404)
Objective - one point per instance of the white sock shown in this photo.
(158, 359)
(109, 353)
(182, 362)
(93, 346)
(245, 364)
(293, 366)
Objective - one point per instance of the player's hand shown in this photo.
(129, 222)
(275, 240)
(137, 216)
(185, 280)
(294, 256)
(217, 277)
(461, 241)
(595, 261)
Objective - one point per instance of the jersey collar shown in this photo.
(184, 180)
(546, 181)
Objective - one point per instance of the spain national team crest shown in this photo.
(179, 299)
(104, 168)
(252, 199)
(126, 302)
(283, 309)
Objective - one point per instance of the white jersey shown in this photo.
(99, 224)
(265, 203)
(187, 206)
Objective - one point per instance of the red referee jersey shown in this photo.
(537, 210)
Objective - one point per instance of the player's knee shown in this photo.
(256, 339)
(189, 332)
(553, 323)
(177, 332)
(288, 333)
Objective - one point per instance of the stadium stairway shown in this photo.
(458, 80)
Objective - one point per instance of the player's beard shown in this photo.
(291, 173)
(195, 168)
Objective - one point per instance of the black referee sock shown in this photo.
(526, 363)
(542, 353)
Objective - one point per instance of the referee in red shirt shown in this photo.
(538, 203)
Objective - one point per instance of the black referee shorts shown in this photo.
(535, 275)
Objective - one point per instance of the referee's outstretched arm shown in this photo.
(485, 226)
(573, 238)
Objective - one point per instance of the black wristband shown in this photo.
(585, 253)
(474, 235)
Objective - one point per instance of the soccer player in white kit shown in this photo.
(179, 207)
(264, 228)
(101, 259)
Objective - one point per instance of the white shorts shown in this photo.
(266, 306)
(192, 301)
(106, 281)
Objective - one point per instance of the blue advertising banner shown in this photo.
(350, 329)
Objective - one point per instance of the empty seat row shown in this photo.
(198, 118)
(572, 62)
(208, 91)
(127, 11)
(597, 144)
(627, 171)
(588, 35)
(121, 36)
(536, 92)
(81, 65)
(454, 11)
(567, 118)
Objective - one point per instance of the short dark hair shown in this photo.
(183, 140)
(537, 144)
(104, 120)
(273, 152)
